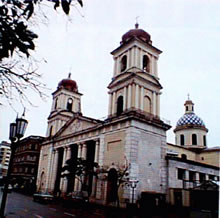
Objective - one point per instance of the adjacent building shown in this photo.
(132, 135)
(5, 152)
(25, 163)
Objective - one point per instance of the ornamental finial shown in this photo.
(136, 25)
(188, 96)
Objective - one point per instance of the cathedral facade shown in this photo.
(132, 137)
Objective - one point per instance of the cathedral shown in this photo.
(131, 138)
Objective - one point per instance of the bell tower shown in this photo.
(66, 103)
(135, 83)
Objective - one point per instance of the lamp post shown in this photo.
(16, 132)
(133, 184)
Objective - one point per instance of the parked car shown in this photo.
(76, 197)
(43, 197)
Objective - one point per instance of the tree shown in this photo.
(18, 70)
(80, 169)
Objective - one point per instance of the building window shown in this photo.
(194, 139)
(211, 177)
(120, 105)
(187, 108)
(124, 63)
(183, 156)
(146, 63)
(204, 140)
(69, 104)
(201, 177)
(192, 176)
(182, 139)
(36, 146)
(181, 174)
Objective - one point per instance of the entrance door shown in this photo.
(178, 198)
(112, 186)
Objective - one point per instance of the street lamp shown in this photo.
(16, 132)
(133, 184)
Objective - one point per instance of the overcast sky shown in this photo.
(187, 31)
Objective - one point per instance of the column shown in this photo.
(142, 98)
(115, 66)
(129, 96)
(140, 60)
(158, 104)
(84, 151)
(54, 169)
(155, 67)
(132, 57)
(136, 57)
(94, 182)
(137, 96)
(113, 103)
(50, 182)
(97, 151)
(39, 171)
(128, 59)
(110, 104)
(63, 164)
(79, 155)
(152, 67)
(68, 156)
(154, 103)
(125, 99)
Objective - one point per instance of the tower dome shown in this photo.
(190, 129)
(189, 119)
(68, 84)
(136, 33)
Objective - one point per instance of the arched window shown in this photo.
(184, 156)
(69, 104)
(120, 105)
(182, 139)
(55, 105)
(194, 139)
(146, 63)
(112, 186)
(124, 63)
(204, 140)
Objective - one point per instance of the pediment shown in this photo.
(76, 124)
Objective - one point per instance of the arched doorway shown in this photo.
(120, 103)
(112, 186)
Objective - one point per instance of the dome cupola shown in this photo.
(189, 119)
(68, 84)
(190, 129)
(136, 33)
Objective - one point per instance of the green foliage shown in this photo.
(79, 168)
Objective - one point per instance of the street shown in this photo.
(19, 205)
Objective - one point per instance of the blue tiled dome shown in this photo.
(190, 119)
